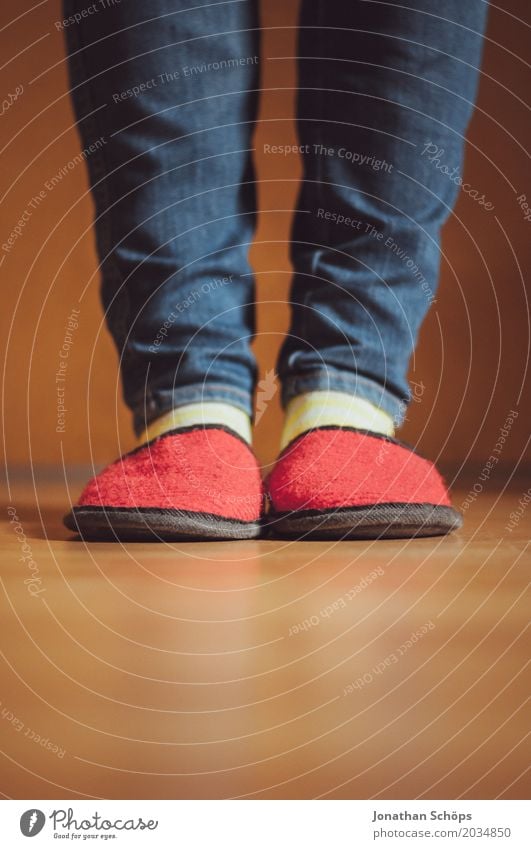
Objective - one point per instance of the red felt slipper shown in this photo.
(199, 482)
(342, 483)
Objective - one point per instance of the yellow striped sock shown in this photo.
(208, 412)
(318, 409)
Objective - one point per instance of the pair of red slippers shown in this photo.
(203, 482)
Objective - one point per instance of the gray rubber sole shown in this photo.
(155, 525)
(379, 521)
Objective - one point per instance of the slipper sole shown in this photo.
(378, 521)
(155, 525)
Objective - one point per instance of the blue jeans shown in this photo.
(166, 93)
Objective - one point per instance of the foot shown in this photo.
(342, 483)
(199, 482)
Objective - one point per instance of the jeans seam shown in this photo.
(319, 164)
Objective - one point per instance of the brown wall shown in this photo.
(474, 348)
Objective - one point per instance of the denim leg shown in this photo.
(383, 86)
(165, 95)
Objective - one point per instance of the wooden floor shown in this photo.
(393, 669)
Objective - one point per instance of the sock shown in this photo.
(317, 409)
(205, 412)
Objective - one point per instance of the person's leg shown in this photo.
(382, 87)
(165, 96)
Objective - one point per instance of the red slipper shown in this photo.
(200, 482)
(343, 483)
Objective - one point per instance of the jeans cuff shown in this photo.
(156, 402)
(342, 381)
